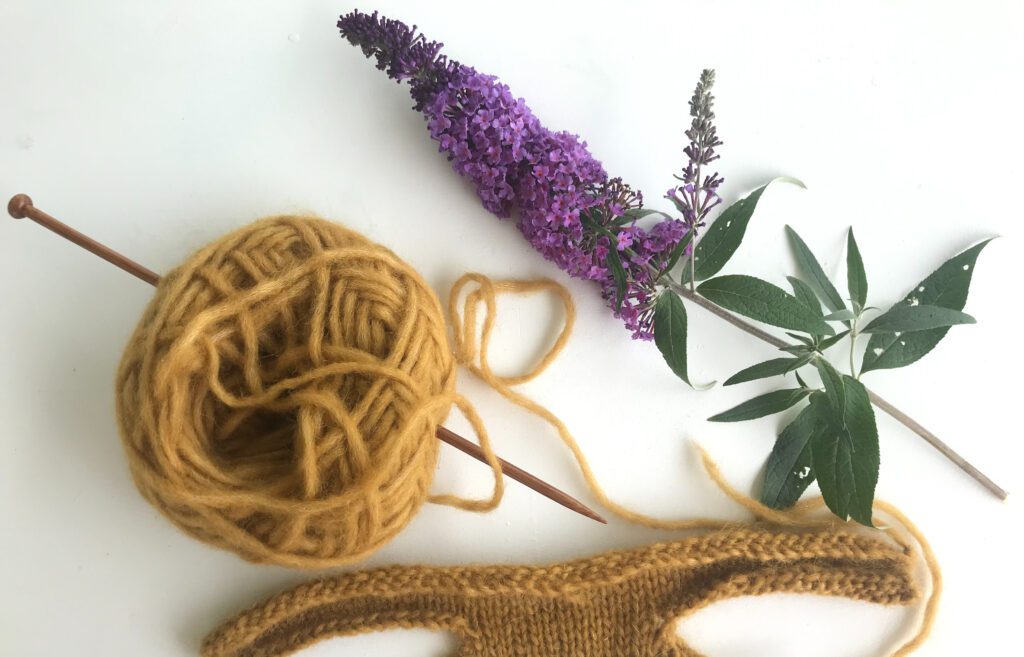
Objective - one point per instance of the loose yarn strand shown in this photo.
(477, 505)
(281, 392)
(473, 354)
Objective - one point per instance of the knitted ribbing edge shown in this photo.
(618, 604)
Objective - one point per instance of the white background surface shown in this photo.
(157, 126)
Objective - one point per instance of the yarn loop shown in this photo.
(280, 394)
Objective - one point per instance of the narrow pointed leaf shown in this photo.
(845, 458)
(790, 470)
(619, 274)
(640, 213)
(832, 341)
(724, 236)
(773, 367)
(834, 390)
(629, 216)
(591, 220)
(801, 338)
(677, 250)
(805, 294)
(946, 287)
(768, 404)
(905, 318)
(670, 328)
(760, 300)
(815, 275)
(856, 278)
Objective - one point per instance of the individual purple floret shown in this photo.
(568, 208)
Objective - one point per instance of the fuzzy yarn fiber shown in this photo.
(618, 604)
(280, 394)
(279, 399)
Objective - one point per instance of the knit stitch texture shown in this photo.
(619, 604)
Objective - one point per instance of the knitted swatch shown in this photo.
(619, 604)
(279, 399)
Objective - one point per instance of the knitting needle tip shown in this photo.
(522, 476)
(590, 513)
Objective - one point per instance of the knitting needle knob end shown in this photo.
(18, 206)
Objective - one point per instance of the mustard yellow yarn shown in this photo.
(280, 394)
(473, 354)
(625, 603)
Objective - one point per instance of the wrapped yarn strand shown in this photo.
(280, 395)
(224, 370)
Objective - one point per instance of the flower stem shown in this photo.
(693, 267)
(878, 401)
(693, 227)
(853, 342)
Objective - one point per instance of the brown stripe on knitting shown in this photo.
(618, 604)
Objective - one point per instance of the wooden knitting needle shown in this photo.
(20, 206)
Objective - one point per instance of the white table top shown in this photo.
(157, 126)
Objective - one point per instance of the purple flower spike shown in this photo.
(698, 194)
(560, 192)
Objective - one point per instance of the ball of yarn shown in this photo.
(280, 394)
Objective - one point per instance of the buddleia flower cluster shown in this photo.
(587, 223)
(564, 202)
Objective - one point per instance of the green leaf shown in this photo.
(905, 318)
(618, 273)
(801, 338)
(856, 278)
(843, 315)
(724, 236)
(816, 277)
(832, 341)
(834, 389)
(768, 404)
(789, 470)
(677, 250)
(670, 334)
(800, 380)
(760, 300)
(946, 287)
(773, 367)
(845, 456)
(629, 216)
(806, 295)
(589, 219)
